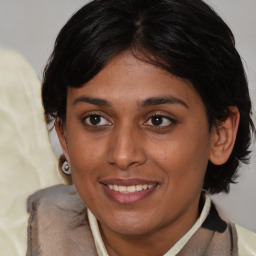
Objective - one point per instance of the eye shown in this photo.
(96, 120)
(160, 121)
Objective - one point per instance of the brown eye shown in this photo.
(157, 120)
(160, 121)
(96, 120)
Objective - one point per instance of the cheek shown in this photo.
(86, 155)
(184, 155)
(86, 161)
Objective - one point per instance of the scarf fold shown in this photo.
(58, 225)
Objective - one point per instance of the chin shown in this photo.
(129, 223)
(132, 229)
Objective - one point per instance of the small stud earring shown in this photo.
(66, 168)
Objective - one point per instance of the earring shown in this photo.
(66, 168)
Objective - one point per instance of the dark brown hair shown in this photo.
(185, 37)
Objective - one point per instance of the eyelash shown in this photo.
(87, 117)
(170, 120)
(163, 118)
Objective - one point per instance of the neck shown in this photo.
(156, 242)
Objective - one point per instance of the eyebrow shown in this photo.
(153, 101)
(93, 101)
(163, 100)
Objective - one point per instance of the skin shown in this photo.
(129, 142)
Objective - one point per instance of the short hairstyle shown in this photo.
(185, 37)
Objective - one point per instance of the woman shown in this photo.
(151, 105)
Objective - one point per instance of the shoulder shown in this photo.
(54, 198)
(58, 223)
(246, 241)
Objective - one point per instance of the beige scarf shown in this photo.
(58, 225)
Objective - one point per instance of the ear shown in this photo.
(223, 137)
(60, 130)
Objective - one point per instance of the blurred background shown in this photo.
(31, 26)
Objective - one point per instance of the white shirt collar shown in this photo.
(101, 249)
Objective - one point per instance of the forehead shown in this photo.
(128, 79)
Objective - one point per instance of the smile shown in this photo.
(129, 189)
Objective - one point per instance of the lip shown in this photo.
(127, 182)
(128, 198)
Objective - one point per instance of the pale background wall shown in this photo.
(30, 27)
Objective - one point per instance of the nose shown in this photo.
(126, 148)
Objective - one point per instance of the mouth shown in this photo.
(128, 191)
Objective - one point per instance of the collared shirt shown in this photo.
(101, 249)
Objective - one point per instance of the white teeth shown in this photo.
(129, 189)
(121, 189)
(139, 187)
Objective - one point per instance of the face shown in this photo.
(138, 142)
